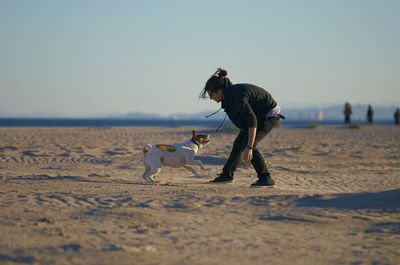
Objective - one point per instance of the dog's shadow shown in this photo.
(209, 160)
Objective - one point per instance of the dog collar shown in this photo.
(195, 143)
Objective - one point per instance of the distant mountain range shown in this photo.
(334, 112)
(177, 116)
(329, 113)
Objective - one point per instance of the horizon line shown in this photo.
(50, 115)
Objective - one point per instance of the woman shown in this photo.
(254, 112)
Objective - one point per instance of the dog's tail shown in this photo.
(146, 148)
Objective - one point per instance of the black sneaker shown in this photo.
(222, 179)
(268, 183)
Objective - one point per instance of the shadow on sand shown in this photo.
(93, 179)
(209, 160)
(387, 200)
(18, 258)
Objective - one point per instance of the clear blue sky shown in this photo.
(82, 58)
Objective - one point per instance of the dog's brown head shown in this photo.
(201, 139)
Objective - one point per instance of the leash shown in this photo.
(222, 123)
(208, 116)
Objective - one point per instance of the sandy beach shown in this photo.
(76, 196)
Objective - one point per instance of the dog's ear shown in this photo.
(194, 133)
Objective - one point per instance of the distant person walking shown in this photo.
(347, 113)
(397, 117)
(370, 114)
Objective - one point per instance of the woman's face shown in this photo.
(217, 96)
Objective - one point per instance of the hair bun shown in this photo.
(221, 73)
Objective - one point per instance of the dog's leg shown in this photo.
(150, 176)
(192, 170)
(146, 171)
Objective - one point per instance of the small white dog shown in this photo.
(176, 155)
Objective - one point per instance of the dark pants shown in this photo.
(240, 144)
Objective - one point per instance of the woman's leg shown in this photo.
(258, 161)
(240, 144)
(236, 154)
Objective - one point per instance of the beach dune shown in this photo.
(75, 196)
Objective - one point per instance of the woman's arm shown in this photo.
(242, 106)
(248, 152)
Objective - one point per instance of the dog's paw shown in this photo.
(149, 180)
(157, 182)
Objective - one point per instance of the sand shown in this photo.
(75, 196)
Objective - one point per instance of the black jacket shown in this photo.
(246, 104)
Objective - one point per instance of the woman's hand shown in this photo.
(247, 155)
